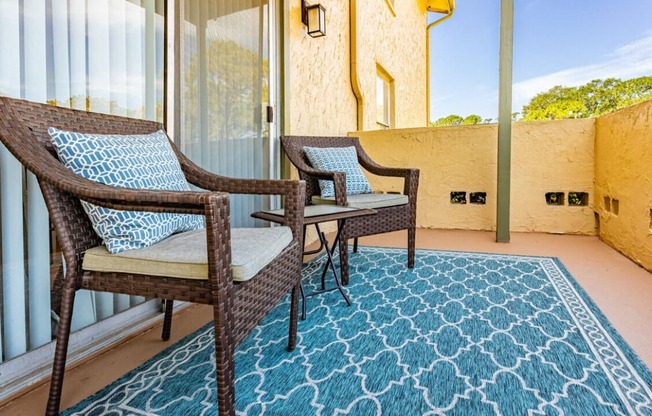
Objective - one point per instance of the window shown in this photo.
(102, 56)
(384, 98)
(225, 86)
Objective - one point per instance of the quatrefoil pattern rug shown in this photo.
(460, 334)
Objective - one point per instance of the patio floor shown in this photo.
(622, 289)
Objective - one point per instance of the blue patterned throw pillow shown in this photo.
(339, 159)
(144, 161)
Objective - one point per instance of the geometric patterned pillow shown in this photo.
(144, 161)
(339, 159)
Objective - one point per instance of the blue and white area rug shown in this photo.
(461, 334)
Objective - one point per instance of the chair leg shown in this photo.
(167, 319)
(61, 351)
(294, 314)
(224, 367)
(411, 244)
(355, 245)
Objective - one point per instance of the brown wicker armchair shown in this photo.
(395, 212)
(238, 307)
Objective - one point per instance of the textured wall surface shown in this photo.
(398, 44)
(319, 96)
(319, 99)
(554, 156)
(623, 152)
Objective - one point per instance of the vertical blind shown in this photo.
(95, 55)
(225, 91)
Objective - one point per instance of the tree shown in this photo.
(455, 120)
(592, 99)
(237, 82)
(472, 119)
(451, 120)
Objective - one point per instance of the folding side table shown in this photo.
(316, 214)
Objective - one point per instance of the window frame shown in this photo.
(386, 121)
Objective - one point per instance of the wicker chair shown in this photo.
(237, 307)
(395, 212)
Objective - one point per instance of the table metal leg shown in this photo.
(331, 263)
(303, 302)
(323, 244)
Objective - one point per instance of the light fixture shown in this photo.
(314, 17)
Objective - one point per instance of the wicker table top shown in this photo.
(315, 214)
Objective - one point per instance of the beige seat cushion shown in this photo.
(366, 200)
(185, 255)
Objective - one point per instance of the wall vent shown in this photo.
(555, 198)
(479, 198)
(458, 197)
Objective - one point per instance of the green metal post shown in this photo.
(504, 120)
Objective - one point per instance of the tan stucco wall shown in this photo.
(398, 44)
(318, 94)
(552, 156)
(623, 152)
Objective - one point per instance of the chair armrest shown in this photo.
(187, 202)
(49, 170)
(411, 175)
(338, 179)
(217, 183)
(292, 190)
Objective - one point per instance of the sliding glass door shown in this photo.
(225, 90)
(95, 55)
(109, 56)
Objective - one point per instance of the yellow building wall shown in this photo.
(395, 39)
(554, 156)
(318, 93)
(623, 151)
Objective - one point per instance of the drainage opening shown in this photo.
(555, 198)
(579, 199)
(458, 197)
(479, 198)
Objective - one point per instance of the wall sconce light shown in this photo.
(314, 17)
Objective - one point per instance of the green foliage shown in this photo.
(455, 120)
(578, 198)
(592, 99)
(458, 197)
(472, 119)
(452, 120)
(237, 82)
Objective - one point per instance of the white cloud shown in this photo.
(629, 61)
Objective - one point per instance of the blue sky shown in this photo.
(556, 42)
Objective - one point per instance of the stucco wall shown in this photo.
(318, 95)
(396, 42)
(623, 152)
(319, 99)
(554, 156)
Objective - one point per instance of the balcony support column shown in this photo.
(504, 120)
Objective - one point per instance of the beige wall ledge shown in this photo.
(553, 156)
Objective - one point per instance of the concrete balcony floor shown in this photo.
(622, 290)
